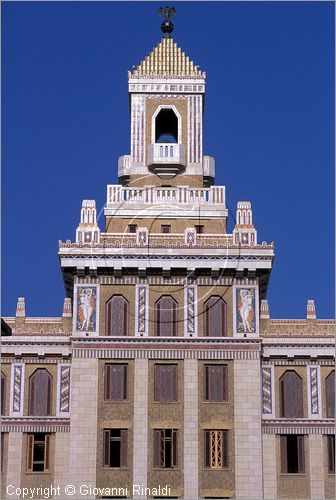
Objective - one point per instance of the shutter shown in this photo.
(174, 318)
(224, 318)
(125, 391)
(206, 384)
(283, 453)
(220, 378)
(125, 318)
(107, 383)
(299, 396)
(157, 383)
(207, 448)
(225, 448)
(174, 384)
(282, 398)
(49, 395)
(123, 448)
(157, 448)
(106, 449)
(32, 391)
(46, 452)
(330, 395)
(301, 454)
(158, 319)
(3, 394)
(331, 454)
(30, 452)
(225, 382)
(108, 318)
(174, 464)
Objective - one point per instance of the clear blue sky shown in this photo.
(269, 123)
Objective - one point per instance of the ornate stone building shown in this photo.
(165, 369)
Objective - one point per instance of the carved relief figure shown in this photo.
(86, 304)
(246, 311)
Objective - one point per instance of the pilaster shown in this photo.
(190, 428)
(62, 459)
(316, 465)
(140, 430)
(269, 466)
(14, 462)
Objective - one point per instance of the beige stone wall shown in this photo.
(14, 462)
(329, 479)
(191, 428)
(293, 485)
(4, 464)
(140, 441)
(315, 442)
(269, 466)
(62, 475)
(83, 426)
(166, 416)
(248, 429)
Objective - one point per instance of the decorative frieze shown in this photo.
(63, 389)
(314, 391)
(190, 312)
(86, 300)
(35, 424)
(160, 280)
(267, 391)
(298, 426)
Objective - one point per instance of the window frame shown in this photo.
(160, 439)
(123, 453)
(132, 228)
(109, 316)
(173, 322)
(160, 379)
(208, 321)
(33, 390)
(331, 453)
(220, 439)
(301, 465)
(108, 383)
(31, 443)
(165, 228)
(209, 385)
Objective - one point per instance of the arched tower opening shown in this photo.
(166, 127)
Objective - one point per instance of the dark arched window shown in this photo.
(166, 126)
(330, 394)
(291, 399)
(215, 317)
(166, 316)
(3, 393)
(117, 316)
(40, 393)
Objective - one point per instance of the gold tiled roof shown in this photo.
(167, 59)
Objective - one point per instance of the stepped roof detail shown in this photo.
(167, 60)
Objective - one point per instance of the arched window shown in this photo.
(291, 399)
(40, 393)
(215, 317)
(166, 316)
(117, 316)
(330, 394)
(3, 393)
(166, 126)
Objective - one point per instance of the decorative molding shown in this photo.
(297, 362)
(159, 280)
(314, 391)
(267, 391)
(36, 360)
(17, 389)
(35, 424)
(141, 308)
(63, 389)
(86, 310)
(298, 426)
(190, 311)
(245, 311)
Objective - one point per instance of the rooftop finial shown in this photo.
(167, 26)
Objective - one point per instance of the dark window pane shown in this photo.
(291, 395)
(40, 393)
(166, 316)
(215, 317)
(117, 316)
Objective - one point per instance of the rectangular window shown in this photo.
(115, 382)
(115, 448)
(165, 448)
(132, 228)
(165, 228)
(216, 383)
(199, 229)
(331, 454)
(292, 454)
(216, 449)
(165, 383)
(38, 449)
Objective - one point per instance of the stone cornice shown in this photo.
(298, 426)
(35, 424)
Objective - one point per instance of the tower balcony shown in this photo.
(166, 159)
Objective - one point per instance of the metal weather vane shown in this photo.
(167, 26)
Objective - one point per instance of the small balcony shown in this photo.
(166, 159)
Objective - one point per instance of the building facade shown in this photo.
(165, 375)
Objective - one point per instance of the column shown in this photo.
(190, 428)
(83, 426)
(140, 430)
(247, 392)
(316, 469)
(14, 461)
(269, 466)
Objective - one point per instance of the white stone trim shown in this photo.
(272, 414)
(60, 413)
(317, 415)
(12, 412)
(194, 331)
